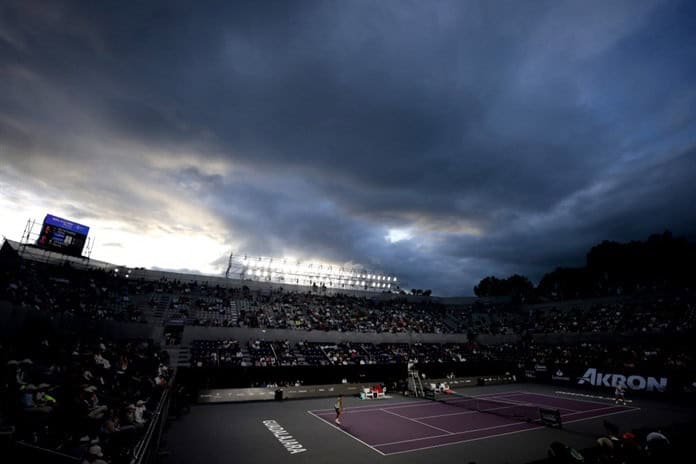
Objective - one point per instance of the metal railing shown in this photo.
(146, 450)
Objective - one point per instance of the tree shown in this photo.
(488, 286)
(515, 286)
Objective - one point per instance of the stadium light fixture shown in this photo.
(295, 271)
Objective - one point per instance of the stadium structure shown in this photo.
(282, 359)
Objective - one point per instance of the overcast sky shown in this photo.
(438, 141)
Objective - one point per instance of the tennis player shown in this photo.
(339, 408)
(619, 392)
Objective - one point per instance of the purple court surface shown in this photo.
(394, 428)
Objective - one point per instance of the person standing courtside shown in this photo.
(339, 408)
(619, 393)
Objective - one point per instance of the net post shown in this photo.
(550, 417)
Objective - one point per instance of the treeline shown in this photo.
(662, 262)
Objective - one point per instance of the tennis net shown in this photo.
(518, 411)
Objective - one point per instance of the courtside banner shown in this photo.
(561, 376)
(607, 378)
(237, 395)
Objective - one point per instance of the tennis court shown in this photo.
(403, 430)
(417, 425)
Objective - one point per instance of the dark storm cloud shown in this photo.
(502, 136)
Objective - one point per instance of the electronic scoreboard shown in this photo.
(63, 236)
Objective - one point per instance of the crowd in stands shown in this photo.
(102, 294)
(522, 354)
(93, 293)
(308, 311)
(88, 399)
(630, 446)
(668, 315)
(93, 398)
(663, 315)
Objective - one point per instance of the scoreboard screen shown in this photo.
(61, 235)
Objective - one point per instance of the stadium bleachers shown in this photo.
(69, 395)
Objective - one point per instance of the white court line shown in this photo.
(460, 413)
(501, 434)
(567, 399)
(510, 402)
(511, 424)
(416, 404)
(375, 406)
(349, 434)
(405, 404)
(463, 413)
(461, 441)
(457, 400)
(598, 409)
(562, 415)
(601, 415)
(585, 395)
(530, 403)
(540, 404)
(418, 422)
(573, 411)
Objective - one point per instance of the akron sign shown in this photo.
(634, 382)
